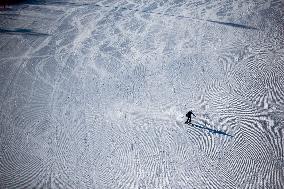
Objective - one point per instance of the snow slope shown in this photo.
(94, 94)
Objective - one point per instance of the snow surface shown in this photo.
(94, 94)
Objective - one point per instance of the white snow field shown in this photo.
(94, 94)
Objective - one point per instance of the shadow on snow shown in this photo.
(210, 130)
(19, 31)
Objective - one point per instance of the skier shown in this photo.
(188, 115)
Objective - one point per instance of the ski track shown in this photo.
(99, 100)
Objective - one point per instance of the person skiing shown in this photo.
(188, 115)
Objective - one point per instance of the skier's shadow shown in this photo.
(209, 129)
